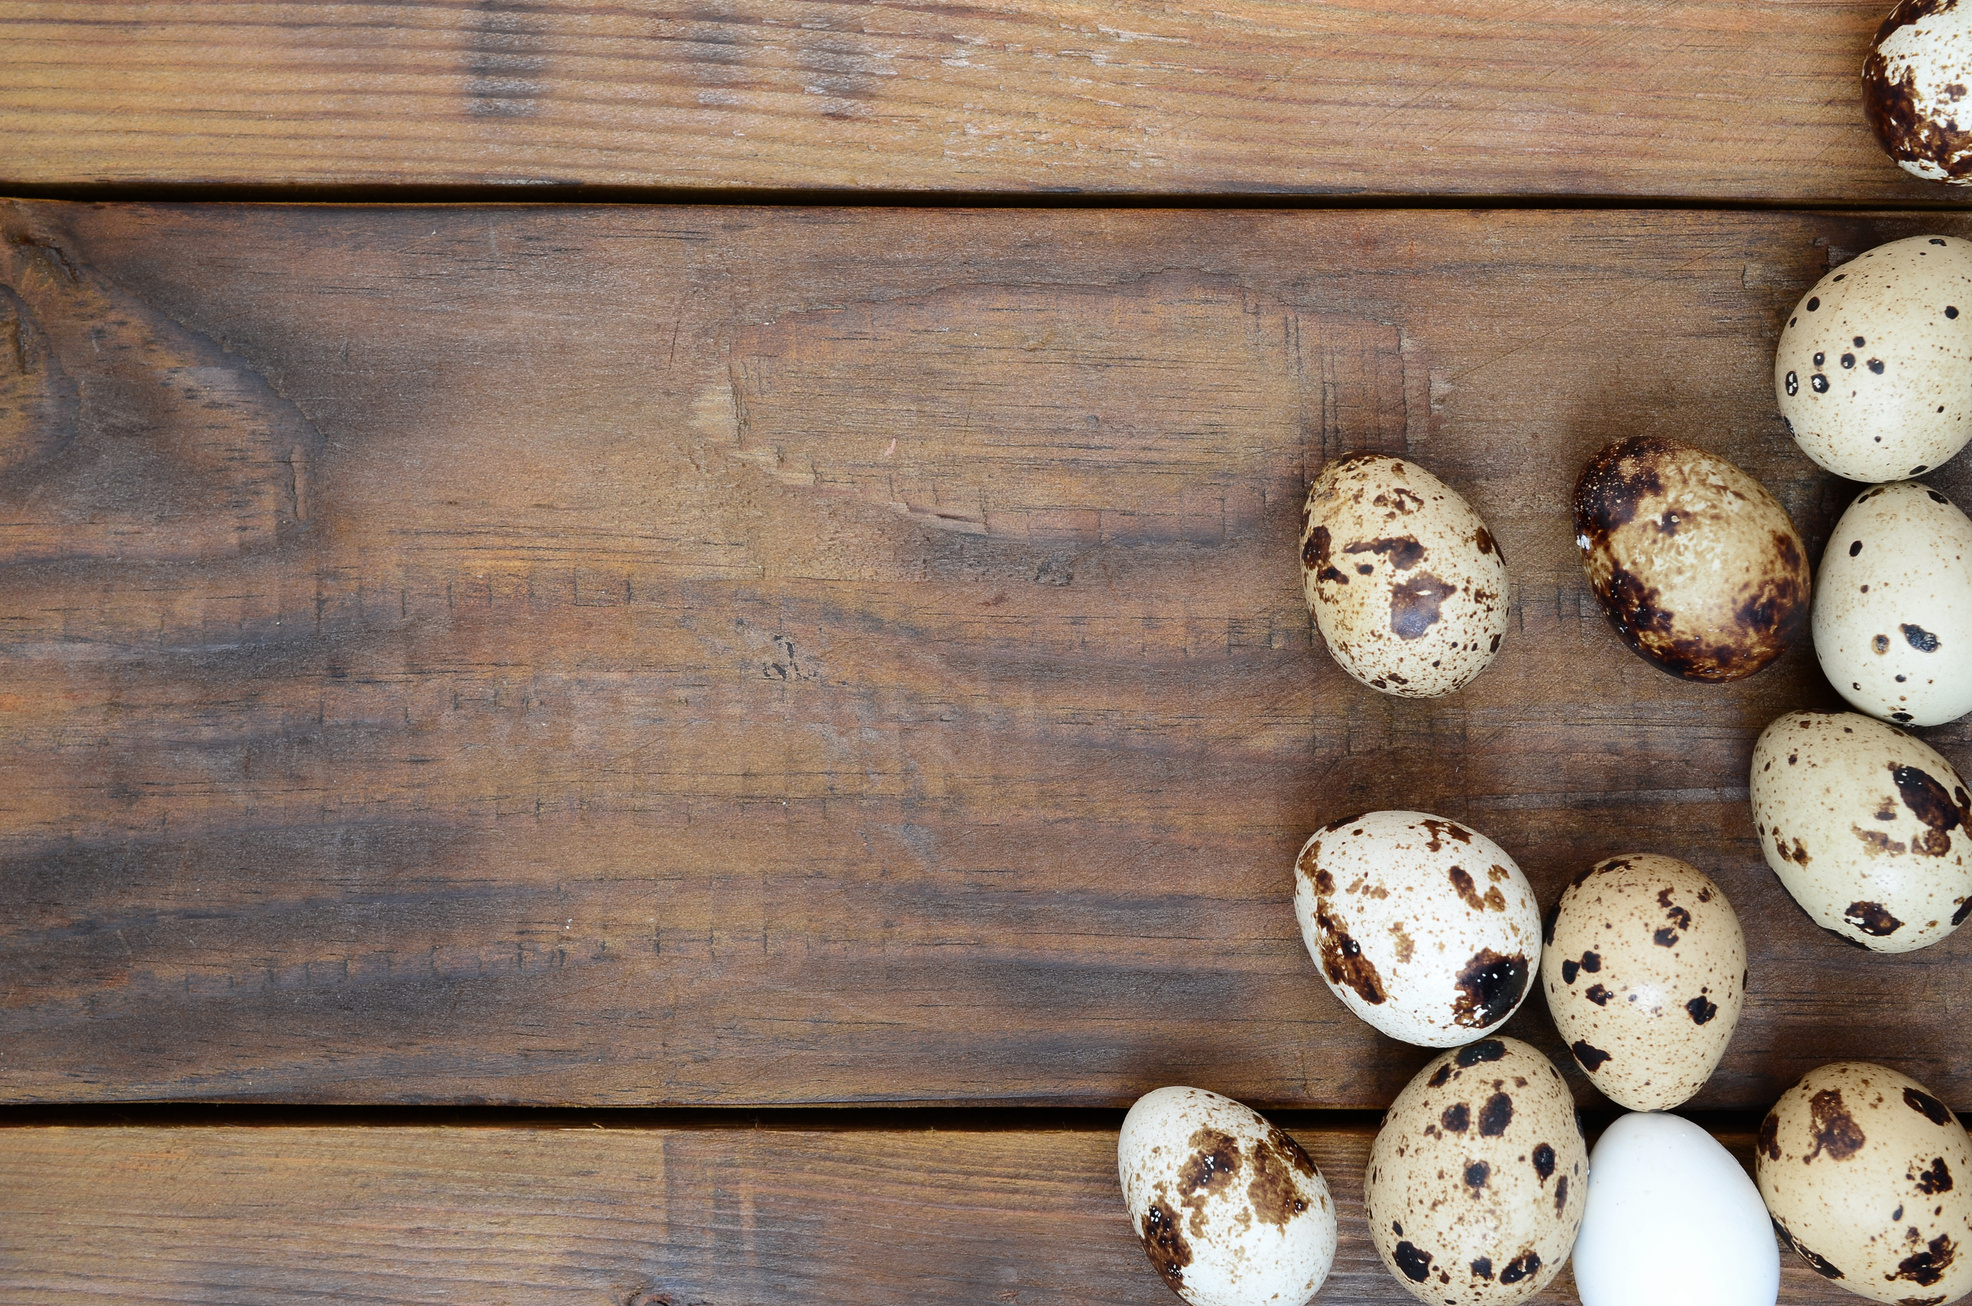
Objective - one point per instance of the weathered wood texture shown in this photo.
(1679, 98)
(749, 656)
(695, 1217)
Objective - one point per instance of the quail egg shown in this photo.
(1422, 927)
(1913, 89)
(1873, 372)
(1231, 1211)
(1644, 967)
(1404, 580)
(1699, 569)
(1893, 611)
(1869, 829)
(1869, 1177)
(1475, 1183)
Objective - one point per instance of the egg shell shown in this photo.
(1230, 1210)
(1869, 1177)
(1404, 580)
(1424, 928)
(1644, 967)
(1671, 1217)
(1474, 1188)
(1699, 569)
(1893, 611)
(1867, 828)
(1913, 89)
(1873, 373)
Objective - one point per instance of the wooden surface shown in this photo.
(644, 655)
(1717, 99)
(657, 1217)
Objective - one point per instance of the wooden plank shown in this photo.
(621, 656)
(633, 1216)
(1676, 98)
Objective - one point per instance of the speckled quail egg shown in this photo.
(1231, 1211)
(1893, 611)
(1699, 569)
(1405, 582)
(1644, 967)
(1671, 1217)
(1422, 927)
(1873, 373)
(1914, 83)
(1475, 1183)
(1869, 829)
(1869, 1177)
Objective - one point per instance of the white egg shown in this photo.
(1893, 608)
(1873, 373)
(1403, 579)
(1671, 1217)
(1229, 1209)
(1422, 927)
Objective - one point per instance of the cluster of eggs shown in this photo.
(1480, 1184)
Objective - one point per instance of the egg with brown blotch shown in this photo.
(1893, 609)
(1476, 1181)
(1869, 1177)
(1420, 925)
(1873, 372)
(1699, 569)
(1868, 828)
(1644, 967)
(1913, 89)
(1404, 581)
(1230, 1210)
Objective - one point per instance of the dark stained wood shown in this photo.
(635, 1217)
(1675, 98)
(643, 655)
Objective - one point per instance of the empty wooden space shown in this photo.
(1717, 99)
(634, 656)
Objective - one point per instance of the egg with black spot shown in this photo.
(1421, 926)
(1230, 1210)
(1914, 82)
(1873, 373)
(1869, 1177)
(1644, 967)
(1405, 582)
(1698, 568)
(1476, 1181)
(1868, 828)
(1893, 610)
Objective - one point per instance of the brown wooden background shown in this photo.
(702, 753)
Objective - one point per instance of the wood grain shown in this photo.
(1708, 99)
(630, 1217)
(657, 655)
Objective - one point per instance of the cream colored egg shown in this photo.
(1870, 1178)
(1475, 1183)
(1699, 569)
(1874, 369)
(1913, 89)
(1403, 578)
(1644, 967)
(1869, 829)
(1424, 928)
(1230, 1210)
(1893, 609)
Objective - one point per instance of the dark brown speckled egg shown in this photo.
(1699, 568)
